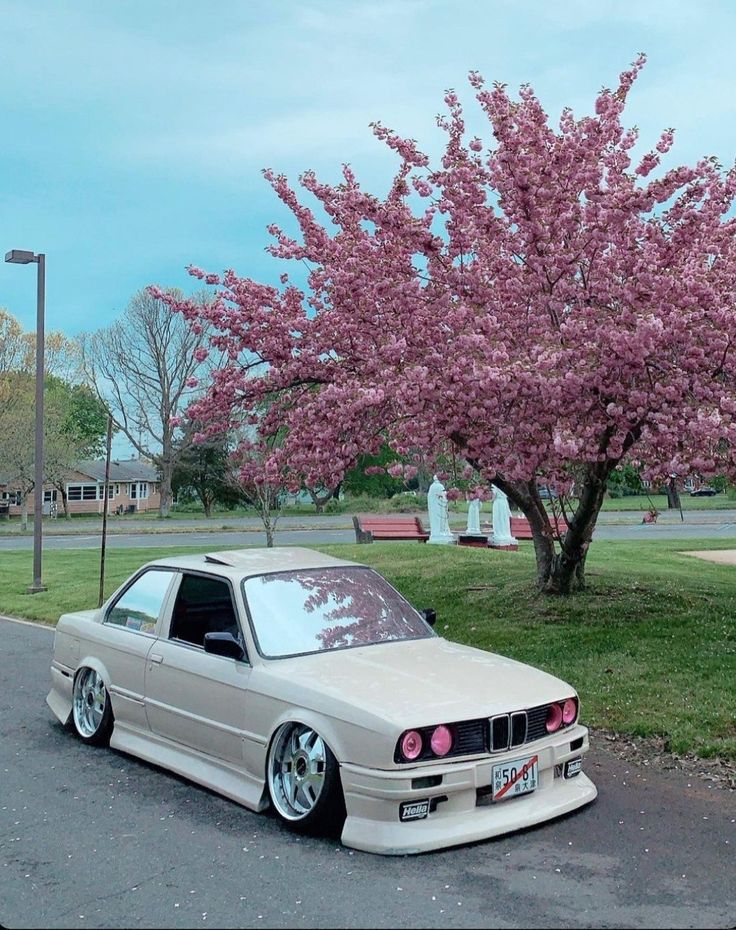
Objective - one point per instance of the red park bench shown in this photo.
(368, 528)
(521, 529)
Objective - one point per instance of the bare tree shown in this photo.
(144, 368)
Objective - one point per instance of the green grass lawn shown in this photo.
(651, 647)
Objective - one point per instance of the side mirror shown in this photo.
(429, 615)
(223, 644)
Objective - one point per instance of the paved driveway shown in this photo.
(93, 838)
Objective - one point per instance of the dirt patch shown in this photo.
(722, 556)
(653, 752)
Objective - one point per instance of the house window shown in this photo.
(133, 491)
(81, 492)
(101, 492)
(49, 497)
(143, 490)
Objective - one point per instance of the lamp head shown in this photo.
(19, 257)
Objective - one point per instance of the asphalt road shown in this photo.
(327, 529)
(93, 838)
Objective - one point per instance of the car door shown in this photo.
(127, 634)
(194, 697)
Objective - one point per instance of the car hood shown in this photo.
(422, 682)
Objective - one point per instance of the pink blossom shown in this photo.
(549, 310)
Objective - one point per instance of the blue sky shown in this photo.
(135, 132)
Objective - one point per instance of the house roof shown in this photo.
(130, 470)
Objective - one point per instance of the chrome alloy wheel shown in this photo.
(296, 770)
(89, 702)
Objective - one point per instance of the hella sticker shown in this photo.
(414, 810)
(573, 767)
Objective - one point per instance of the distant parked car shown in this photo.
(703, 492)
(289, 677)
(547, 493)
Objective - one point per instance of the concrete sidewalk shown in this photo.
(722, 556)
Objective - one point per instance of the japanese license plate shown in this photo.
(511, 778)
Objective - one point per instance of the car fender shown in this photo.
(348, 743)
(325, 726)
(95, 663)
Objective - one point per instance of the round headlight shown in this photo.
(411, 745)
(569, 711)
(441, 741)
(554, 718)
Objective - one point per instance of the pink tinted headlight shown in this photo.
(554, 718)
(441, 741)
(411, 745)
(569, 710)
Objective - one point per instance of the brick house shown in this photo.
(133, 487)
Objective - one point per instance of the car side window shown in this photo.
(139, 606)
(203, 605)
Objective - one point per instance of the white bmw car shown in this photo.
(288, 677)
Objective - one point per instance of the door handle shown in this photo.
(156, 658)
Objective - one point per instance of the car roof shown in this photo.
(243, 563)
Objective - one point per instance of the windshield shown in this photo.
(314, 610)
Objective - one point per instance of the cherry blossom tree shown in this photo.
(543, 307)
(259, 474)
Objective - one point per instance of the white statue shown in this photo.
(473, 528)
(501, 519)
(439, 527)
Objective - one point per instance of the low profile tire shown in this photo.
(91, 710)
(304, 781)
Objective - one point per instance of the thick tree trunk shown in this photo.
(319, 500)
(563, 571)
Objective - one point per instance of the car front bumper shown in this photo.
(460, 807)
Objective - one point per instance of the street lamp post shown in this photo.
(21, 257)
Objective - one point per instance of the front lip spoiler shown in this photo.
(481, 823)
(373, 799)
